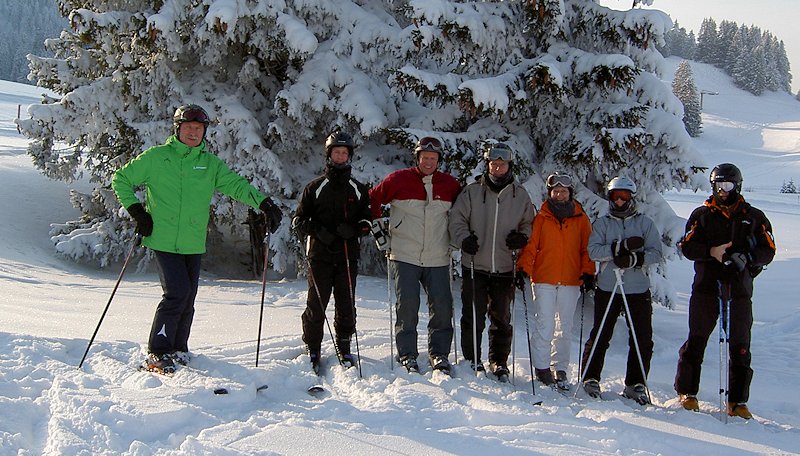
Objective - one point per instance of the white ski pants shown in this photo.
(554, 310)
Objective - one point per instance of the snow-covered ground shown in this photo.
(49, 308)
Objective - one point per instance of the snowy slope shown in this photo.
(50, 307)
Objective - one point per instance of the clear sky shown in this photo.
(780, 17)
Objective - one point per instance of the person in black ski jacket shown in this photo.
(729, 241)
(333, 213)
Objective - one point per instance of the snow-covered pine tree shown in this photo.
(707, 39)
(684, 88)
(571, 85)
(749, 71)
(789, 187)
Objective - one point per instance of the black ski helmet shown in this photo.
(339, 138)
(726, 172)
(190, 113)
(428, 144)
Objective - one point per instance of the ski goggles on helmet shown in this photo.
(192, 115)
(429, 144)
(499, 151)
(624, 195)
(559, 180)
(724, 186)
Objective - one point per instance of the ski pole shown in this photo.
(453, 313)
(514, 254)
(136, 240)
(580, 336)
(528, 335)
(618, 273)
(474, 317)
(597, 337)
(263, 292)
(724, 311)
(353, 302)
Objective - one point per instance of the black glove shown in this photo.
(627, 245)
(521, 280)
(516, 240)
(144, 222)
(588, 282)
(735, 262)
(346, 231)
(470, 245)
(629, 260)
(272, 214)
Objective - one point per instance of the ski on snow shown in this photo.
(221, 391)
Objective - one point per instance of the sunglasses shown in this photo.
(724, 186)
(428, 144)
(559, 180)
(624, 195)
(499, 151)
(194, 115)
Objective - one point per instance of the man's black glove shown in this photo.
(144, 222)
(346, 230)
(629, 260)
(272, 214)
(588, 282)
(303, 228)
(735, 262)
(627, 245)
(470, 245)
(516, 240)
(521, 280)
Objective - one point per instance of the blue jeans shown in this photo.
(436, 283)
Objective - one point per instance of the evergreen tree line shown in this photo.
(756, 60)
(24, 25)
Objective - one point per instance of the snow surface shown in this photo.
(50, 307)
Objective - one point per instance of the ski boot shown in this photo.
(440, 363)
(689, 402)
(346, 359)
(592, 388)
(545, 376)
(476, 367)
(410, 363)
(561, 381)
(160, 363)
(181, 357)
(315, 357)
(500, 370)
(636, 392)
(739, 409)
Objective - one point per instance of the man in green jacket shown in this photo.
(180, 178)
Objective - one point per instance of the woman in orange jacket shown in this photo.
(557, 261)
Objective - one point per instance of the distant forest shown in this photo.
(755, 59)
(24, 25)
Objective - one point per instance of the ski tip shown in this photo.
(316, 390)
(220, 391)
(537, 403)
(262, 387)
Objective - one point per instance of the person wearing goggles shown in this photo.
(419, 251)
(730, 241)
(627, 241)
(180, 178)
(557, 262)
(491, 221)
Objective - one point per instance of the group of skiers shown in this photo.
(504, 242)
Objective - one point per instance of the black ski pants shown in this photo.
(328, 274)
(703, 317)
(172, 323)
(641, 313)
(493, 295)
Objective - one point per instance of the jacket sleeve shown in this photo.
(587, 265)
(599, 249)
(236, 186)
(763, 248)
(305, 210)
(526, 222)
(134, 173)
(364, 210)
(528, 255)
(695, 245)
(381, 194)
(458, 225)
